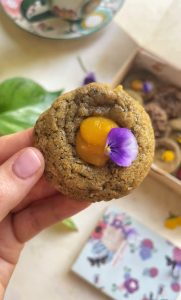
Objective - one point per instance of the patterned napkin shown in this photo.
(126, 260)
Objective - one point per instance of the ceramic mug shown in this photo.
(72, 10)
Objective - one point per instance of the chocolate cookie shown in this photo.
(55, 135)
(169, 98)
(159, 119)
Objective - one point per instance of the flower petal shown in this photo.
(90, 77)
(122, 146)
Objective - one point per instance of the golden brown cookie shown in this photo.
(55, 135)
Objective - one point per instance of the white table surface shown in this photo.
(154, 25)
(43, 271)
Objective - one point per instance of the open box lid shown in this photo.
(155, 26)
(166, 71)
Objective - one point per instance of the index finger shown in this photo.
(12, 143)
(44, 213)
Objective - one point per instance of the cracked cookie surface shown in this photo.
(55, 135)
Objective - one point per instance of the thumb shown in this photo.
(17, 177)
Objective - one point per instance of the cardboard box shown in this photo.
(164, 71)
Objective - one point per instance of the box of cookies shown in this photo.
(157, 86)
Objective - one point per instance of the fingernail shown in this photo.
(27, 164)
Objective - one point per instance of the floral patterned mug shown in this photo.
(72, 10)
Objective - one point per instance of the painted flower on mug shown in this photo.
(68, 14)
(12, 7)
(90, 6)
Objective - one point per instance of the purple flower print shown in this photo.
(147, 243)
(146, 249)
(176, 287)
(153, 272)
(117, 223)
(131, 285)
(145, 253)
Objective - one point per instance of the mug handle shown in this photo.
(26, 4)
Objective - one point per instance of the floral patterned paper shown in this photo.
(126, 260)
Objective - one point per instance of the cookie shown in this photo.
(135, 95)
(167, 155)
(175, 125)
(169, 98)
(141, 81)
(57, 132)
(159, 119)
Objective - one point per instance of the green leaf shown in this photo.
(70, 224)
(21, 102)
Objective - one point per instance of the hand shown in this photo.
(28, 203)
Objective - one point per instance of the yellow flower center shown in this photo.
(168, 156)
(91, 139)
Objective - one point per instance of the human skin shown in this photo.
(28, 203)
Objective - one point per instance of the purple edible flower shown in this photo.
(121, 146)
(148, 87)
(131, 285)
(90, 77)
